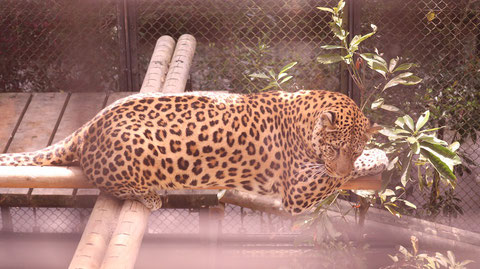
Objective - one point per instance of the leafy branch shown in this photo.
(392, 72)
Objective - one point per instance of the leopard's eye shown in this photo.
(333, 152)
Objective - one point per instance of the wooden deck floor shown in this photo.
(33, 121)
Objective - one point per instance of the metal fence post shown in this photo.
(127, 29)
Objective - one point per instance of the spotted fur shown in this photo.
(301, 146)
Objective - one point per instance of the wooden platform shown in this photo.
(34, 121)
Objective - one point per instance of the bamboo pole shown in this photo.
(178, 72)
(158, 67)
(132, 215)
(126, 240)
(73, 177)
(97, 234)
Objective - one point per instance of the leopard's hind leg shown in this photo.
(151, 200)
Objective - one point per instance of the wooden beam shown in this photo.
(73, 177)
(170, 200)
(158, 67)
(96, 236)
(127, 237)
(179, 69)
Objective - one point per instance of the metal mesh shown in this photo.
(174, 221)
(55, 45)
(238, 38)
(48, 220)
(240, 220)
(59, 45)
(443, 38)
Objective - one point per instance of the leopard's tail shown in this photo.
(61, 153)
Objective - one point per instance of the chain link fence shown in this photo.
(443, 39)
(239, 38)
(58, 45)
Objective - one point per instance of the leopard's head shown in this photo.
(339, 137)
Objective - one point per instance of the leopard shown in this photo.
(299, 146)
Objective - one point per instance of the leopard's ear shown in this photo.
(374, 128)
(371, 130)
(327, 121)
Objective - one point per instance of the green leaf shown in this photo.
(392, 210)
(288, 66)
(433, 140)
(411, 80)
(454, 146)
(406, 165)
(341, 5)
(422, 120)
(390, 108)
(399, 79)
(441, 150)
(409, 204)
(431, 130)
(415, 147)
(269, 86)
(394, 258)
(339, 32)
(409, 122)
(326, 9)
(259, 75)
(403, 67)
(388, 192)
(329, 58)
(272, 75)
(332, 47)
(411, 140)
(451, 257)
(281, 75)
(356, 40)
(465, 262)
(440, 166)
(285, 79)
(393, 63)
(379, 68)
(377, 103)
(400, 122)
(374, 58)
(442, 260)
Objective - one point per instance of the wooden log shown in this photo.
(123, 248)
(125, 244)
(96, 236)
(73, 177)
(126, 240)
(43, 177)
(179, 69)
(175, 200)
(158, 67)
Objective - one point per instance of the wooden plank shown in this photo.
(88, 201)
(39, 122)
(12, 106)
(37, 126)
(81, 108)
